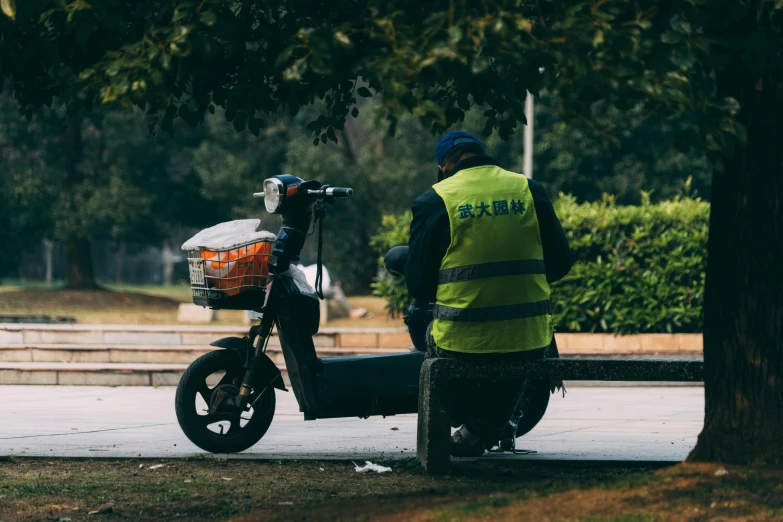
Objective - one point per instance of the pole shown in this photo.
(48, 249)
(528, 151)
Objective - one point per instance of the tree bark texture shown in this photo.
(81, 275)
(743, 309)
(78, 250)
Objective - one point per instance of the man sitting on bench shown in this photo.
(485, 244)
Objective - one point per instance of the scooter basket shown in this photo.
(230, 279)
(229, 265)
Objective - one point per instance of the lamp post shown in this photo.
(527, 168)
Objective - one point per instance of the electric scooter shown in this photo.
(225, 400)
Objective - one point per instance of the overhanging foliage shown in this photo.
(434, 58)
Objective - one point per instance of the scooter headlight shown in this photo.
(274, 193)
(277, 191)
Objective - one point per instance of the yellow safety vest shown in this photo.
(492, 296)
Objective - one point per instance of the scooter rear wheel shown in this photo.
(532, 406)
(226, 430)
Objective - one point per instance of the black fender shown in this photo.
(266, 371)
(553, 353)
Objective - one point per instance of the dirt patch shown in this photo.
(377, 316)
(682, 493)
(80, 300)
(598, 494)
(91, 306)
(209, 489)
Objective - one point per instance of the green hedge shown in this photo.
(639, 269)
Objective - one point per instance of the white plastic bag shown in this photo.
(369, 466)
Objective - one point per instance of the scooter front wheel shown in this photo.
(202, 410)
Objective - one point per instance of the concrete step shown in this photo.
(90, 374)
(176, 335)
(354, 338)
(96, 374)
(137, 354)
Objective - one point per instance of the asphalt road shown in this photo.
(590, 423)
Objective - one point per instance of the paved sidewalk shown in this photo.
(628, 424)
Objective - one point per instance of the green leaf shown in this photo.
(355, 112)
(671, 37)
(741, 132)
(254, 124)
(108, 95)
(364, 92)
(598, 38)
(239, 122)
(491, 122)
(9, 8)
(342, 38)
(731, 105)
(208, 18)
(680, 24)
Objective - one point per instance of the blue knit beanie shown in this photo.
(452, 139)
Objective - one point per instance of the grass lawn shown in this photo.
(141, 304)
(207, 489)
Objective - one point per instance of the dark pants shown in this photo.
(485, 408)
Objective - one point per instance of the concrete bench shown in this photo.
(438, 376)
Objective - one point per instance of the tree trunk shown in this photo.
(80, 272)
(743, 308)
(169, 258)
(119, 263)
(48, 259)
(79, 254)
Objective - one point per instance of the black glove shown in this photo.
(418, 318)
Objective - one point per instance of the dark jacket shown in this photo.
(431, 236)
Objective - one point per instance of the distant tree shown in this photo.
(231, 166)
(386, 174)
(25, 188)
(104, 180)
(643, 155)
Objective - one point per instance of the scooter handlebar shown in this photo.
(340, 192)
(333, 192)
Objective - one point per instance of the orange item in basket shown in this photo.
(239, 268)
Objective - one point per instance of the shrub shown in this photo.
(638, 269)
(394, 231)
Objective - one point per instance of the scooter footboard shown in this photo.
(303, 366)
(370, 385)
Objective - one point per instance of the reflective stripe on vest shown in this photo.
(492, 295)
(491, 313)
(501, 268)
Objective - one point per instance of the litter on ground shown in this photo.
(369, 466)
